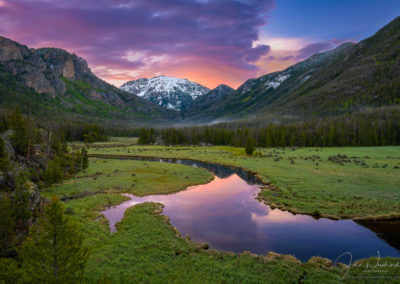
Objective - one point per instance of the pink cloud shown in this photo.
(213, 40)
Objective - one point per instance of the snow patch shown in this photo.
(162, 87)
(170, 106)
(277, 81)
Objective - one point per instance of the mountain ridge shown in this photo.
(255, 93)
(203, 103)
(69, 83)
(169, 92)
(347, 79)
(350, 78)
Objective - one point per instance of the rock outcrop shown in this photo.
(27, 65)
(67, 77)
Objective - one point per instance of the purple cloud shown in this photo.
(105, 32)
(313, 48)
(257, 52)
(284, 58)
(322, 46)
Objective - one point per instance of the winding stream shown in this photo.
(225, 214)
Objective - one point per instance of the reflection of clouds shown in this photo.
(229, 196)
(219, 190)
(225, 214)
(116, 213)
(278, 216)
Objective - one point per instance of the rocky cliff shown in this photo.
(67, 78)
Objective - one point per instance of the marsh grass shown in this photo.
(127, 176)
(338, 182)
(148, 249)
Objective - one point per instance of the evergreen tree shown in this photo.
(21, 135)
(90, 138)
(6, 227)
(20, 203)
(249, 147)
(54, 251)
(4, 163)
(85, 159)
(54, 172)
(9, 272)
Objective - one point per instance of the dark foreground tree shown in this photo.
(53, 251)
(4, 163)
(249, 147)
(6, 227)
(20, 203)
(9, 272)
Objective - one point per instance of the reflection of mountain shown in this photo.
(220, 171)
(386, 230)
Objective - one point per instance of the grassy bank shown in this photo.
(127, 176)
(336, 182)
(148, 249)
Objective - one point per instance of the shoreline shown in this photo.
(391, 216)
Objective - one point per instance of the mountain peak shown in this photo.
(169, 92)
(223, 87)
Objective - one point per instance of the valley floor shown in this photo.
(147, 248)
(333, 182)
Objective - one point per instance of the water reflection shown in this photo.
(225, 214)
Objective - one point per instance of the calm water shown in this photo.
(225, 214)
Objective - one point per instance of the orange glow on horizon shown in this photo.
(207, 74)
(204, 75)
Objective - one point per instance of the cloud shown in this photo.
(257, 52)
(313, 48)
(144, 37)
(285, 58)
(285, 52)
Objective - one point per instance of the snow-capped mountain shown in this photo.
(169, 92)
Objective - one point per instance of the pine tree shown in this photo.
(9, 272)
(20, 203)
(20, 138)
(4, 163)
(54, 251)
(54, 172)
(6, 227)
(85, 159)
(249, 147)
(142, 136)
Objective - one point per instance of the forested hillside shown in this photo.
(367, 75)
(348, 79)
(250, 98)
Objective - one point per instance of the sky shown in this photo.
(211, 42)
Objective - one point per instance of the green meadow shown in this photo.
(353, 182)
(127, 176)
(147, 249)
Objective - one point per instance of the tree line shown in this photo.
(362, 129)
